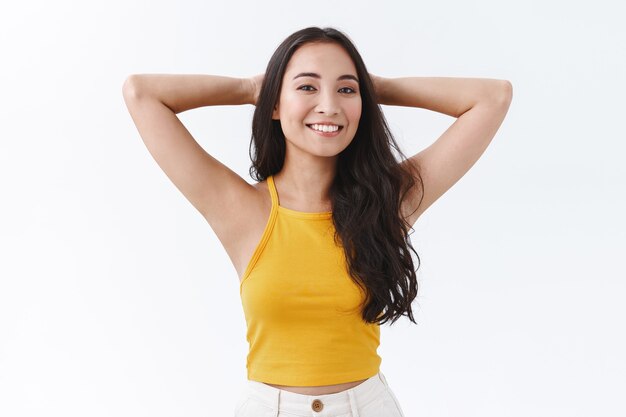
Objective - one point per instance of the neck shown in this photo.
(305, 187)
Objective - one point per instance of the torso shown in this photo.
(257, 211)
(241, 246)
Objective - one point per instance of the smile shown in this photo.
(325, 130)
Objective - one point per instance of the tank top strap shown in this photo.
(273, 192)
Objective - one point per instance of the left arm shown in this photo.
(478, 104)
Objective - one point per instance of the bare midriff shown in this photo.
(319, 390)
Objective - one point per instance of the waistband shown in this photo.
(344, 402)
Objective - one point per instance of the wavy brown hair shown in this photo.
(366, 192)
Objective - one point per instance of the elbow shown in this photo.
(505, 92)
(130, 88)
(497, 92)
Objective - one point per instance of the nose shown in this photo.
(328, 103)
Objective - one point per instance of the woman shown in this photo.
(320, 243)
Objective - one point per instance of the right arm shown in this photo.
(153, 101)
(181, 92)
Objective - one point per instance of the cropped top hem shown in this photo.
(311, 381)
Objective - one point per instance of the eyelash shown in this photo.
(306, 85)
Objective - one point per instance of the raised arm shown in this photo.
(153, 102)
(181, 92)
(479, 104)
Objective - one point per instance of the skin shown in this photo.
(310, 160)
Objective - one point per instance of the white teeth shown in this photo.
(325, 128)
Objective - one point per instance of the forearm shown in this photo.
(181, 92)
(447, 95)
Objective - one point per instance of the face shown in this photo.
(327, 97)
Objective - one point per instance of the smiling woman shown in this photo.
(319, 100)
(321, 242)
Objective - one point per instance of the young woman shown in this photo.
(320, 243)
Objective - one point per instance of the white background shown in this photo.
(117, 299)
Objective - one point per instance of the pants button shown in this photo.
(317, 405)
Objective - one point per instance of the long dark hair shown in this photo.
(367, 190)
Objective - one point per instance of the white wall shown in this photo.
(117, 299)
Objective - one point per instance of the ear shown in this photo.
(275, 113)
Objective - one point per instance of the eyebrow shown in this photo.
(315, 75)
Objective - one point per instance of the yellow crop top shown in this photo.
(304, 327)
